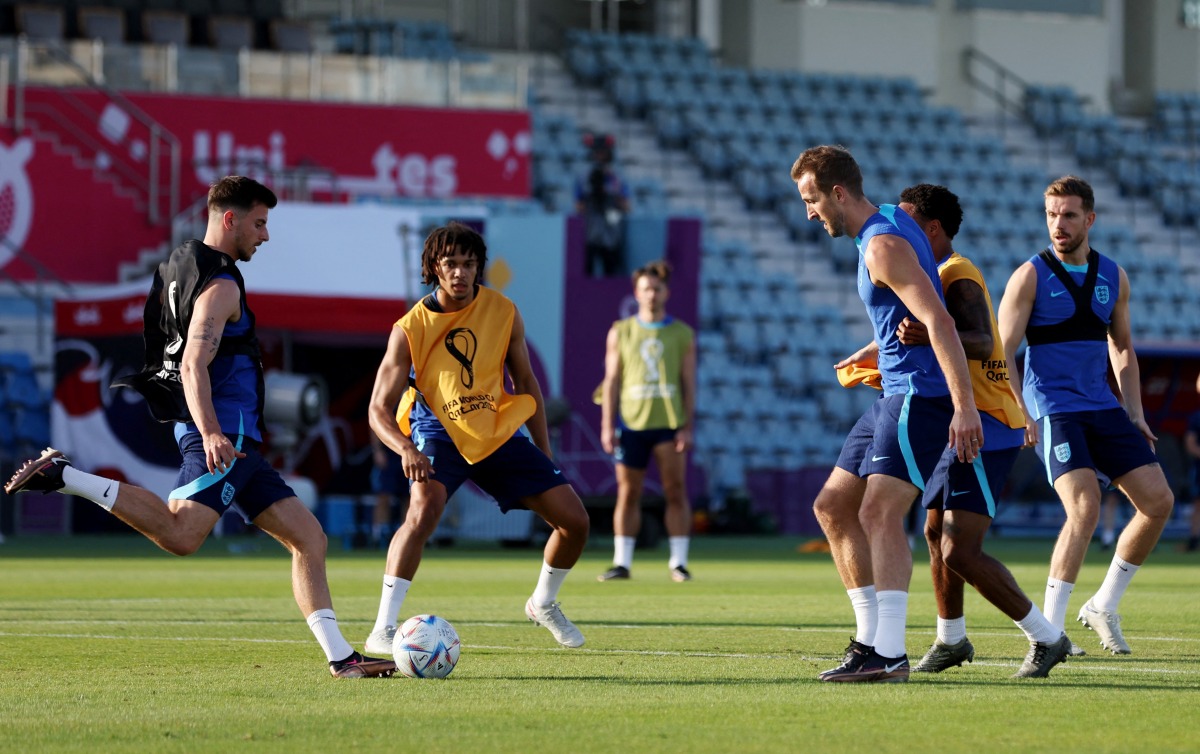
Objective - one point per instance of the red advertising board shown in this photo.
(74, 188)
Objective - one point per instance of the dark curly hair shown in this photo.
(935, 202)
(443, 242)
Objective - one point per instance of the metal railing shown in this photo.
(161, 192)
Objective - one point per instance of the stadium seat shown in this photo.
(40, 22)
(291, 35)
(165, 27)
(231, 33)
(106, 25)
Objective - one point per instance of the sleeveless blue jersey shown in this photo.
(234, 381)
(904, 369)
(1071, 375)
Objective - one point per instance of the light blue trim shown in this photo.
(1047, 448)
(1075, 267)
(906, 451)
(981, 475)
(208, 480)
(655, 325)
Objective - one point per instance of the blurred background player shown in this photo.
(603, 200)
(648, 401)
(390, 490)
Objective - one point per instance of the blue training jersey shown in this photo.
(234, 381)
(1069, 375)
(905, 369)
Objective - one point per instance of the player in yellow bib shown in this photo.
(648, 400)
(445, 366)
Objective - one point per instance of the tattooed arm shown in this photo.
(219, 303)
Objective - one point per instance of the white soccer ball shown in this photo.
(426, 646)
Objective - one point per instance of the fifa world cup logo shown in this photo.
(461, 344)
(651, 351)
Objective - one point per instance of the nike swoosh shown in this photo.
(1056, 294)
(960, 492)
(879, 458)
(1123, 568)
(893, 668)
(558, 471)
(106, 490)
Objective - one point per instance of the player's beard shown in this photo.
(1071, 246)
(836, 225)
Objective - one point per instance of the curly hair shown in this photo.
(446, 240)
(935, 202)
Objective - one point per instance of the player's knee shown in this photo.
(831, 510)
(958, 557)
(575, 521)
(673, 492)
(1159, 504)
(1086, 516)
(933, 536)
(182, 544)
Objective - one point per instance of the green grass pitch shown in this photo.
(107, 644)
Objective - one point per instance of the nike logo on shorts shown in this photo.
(880, 458)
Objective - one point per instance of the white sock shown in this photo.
(952, 630)
(679, 551)
(325, 627)
(101, 491)
(1037, 628)
(623, 551)
(549, 582)
(1058, 594)
(394, 591)
(1120, 573)
(893, 614)
(866, 613)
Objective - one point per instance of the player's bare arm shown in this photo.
(868, 354)
(972, 318)
(1124, 360)
(520, 369)
(687, 383)
(390, 383)
(1012, 318)
(220, 302)
(892, 262)
(610, 391)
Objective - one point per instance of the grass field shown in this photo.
(107, 644)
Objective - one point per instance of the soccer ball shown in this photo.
(426, 646)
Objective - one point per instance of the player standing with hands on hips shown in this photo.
(648, 401)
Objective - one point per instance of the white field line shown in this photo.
(1075, 631)
(1084, 666)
